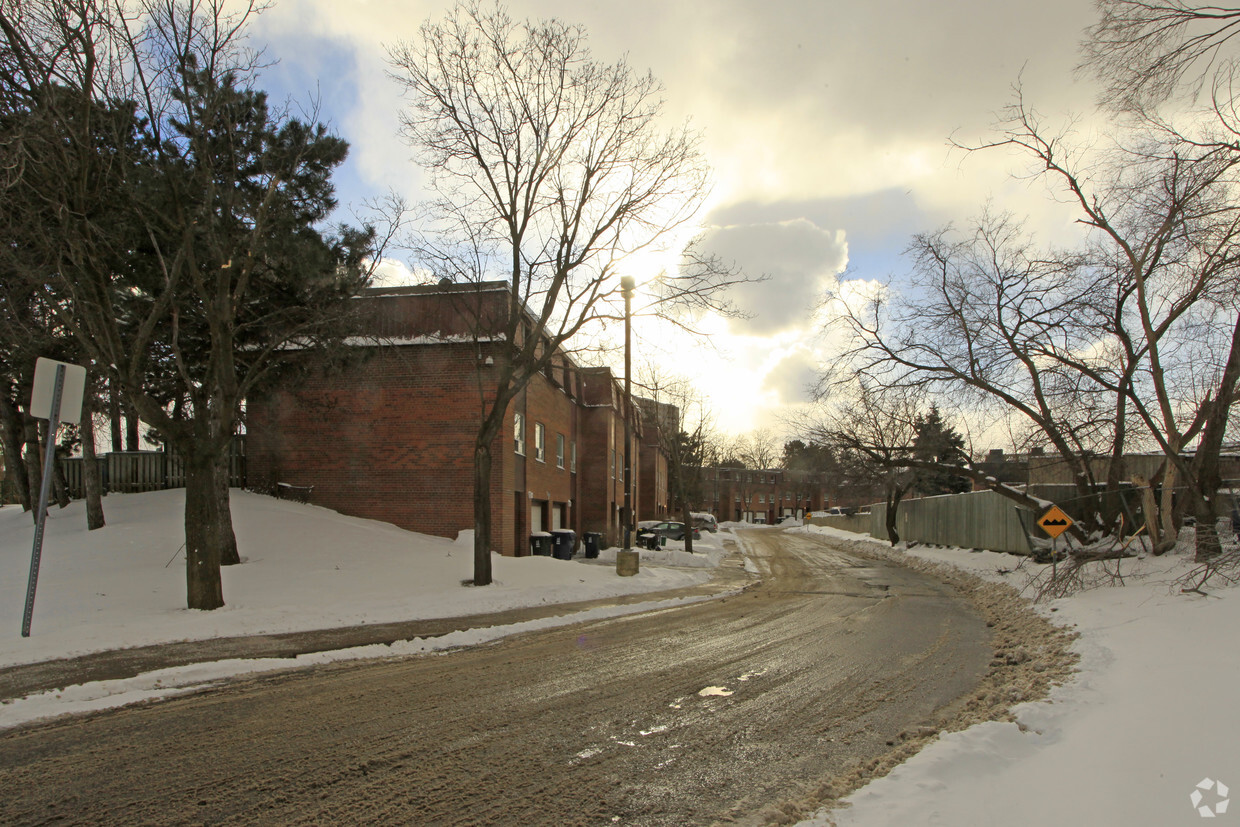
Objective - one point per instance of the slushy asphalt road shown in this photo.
(728, 710)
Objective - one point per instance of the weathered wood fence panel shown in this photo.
(130, 472)
(976, 519)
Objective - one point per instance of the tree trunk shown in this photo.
(203, 584)
(90, 466)
(686, 516)
(1150, 509)
(11, 445)
(1169, 533)
(482, 512)
(33, 460)
(60, 486)
(1208, 544)
(893, 502)
(132, 442)
(229, 556)
(114, 414)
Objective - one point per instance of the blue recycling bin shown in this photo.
(565, 540)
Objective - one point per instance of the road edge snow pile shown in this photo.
(1031, 656)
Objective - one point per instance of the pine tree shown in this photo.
(940, 443)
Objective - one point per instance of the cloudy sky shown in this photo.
(826, 124)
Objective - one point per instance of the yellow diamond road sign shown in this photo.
(1054, 522)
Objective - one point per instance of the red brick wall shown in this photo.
(390, 439)
(758, 494)
(602, 492)
(545, 484)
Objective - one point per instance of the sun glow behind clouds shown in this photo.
(798, 110)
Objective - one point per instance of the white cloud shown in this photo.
(801, 103)
(799, 260)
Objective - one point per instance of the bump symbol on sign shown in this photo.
(1055, 522)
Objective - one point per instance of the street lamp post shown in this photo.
(627, 560)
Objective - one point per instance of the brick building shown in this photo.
(391, 436)
(660, 424)
(753, 496)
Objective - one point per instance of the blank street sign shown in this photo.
(1054, 522)
(45, 385)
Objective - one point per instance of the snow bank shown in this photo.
(707, 553)
(1149, 717)
(304, 568)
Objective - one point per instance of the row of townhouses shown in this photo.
(390, 436)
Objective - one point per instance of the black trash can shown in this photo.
(591, 541)
(565, 542)
(540, 543)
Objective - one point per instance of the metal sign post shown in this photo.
(50, 376)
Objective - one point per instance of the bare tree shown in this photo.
(1137, 327)
(760, 450)
(877, 433)
(874, 430)
(1146, 50)
(1151, 52)
(1167, 231)
(682, 425)
(551, 169)
(982, 322)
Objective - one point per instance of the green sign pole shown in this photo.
(53, 425)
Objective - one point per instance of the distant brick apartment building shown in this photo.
(736, 494)
(763, 496)
(390, 437)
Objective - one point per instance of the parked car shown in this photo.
(670, 530)
(705, 522)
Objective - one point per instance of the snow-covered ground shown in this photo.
(303, 568)
(1153, 713)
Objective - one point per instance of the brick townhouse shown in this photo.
(660, 424)
(762, 496)
(390, 437)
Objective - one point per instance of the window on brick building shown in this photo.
(559, 450)
(518, 433)
(540, 442)
(738, 497)
(572, 458)
(762, 498)
(613, 465)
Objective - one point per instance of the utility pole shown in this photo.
(627, 560)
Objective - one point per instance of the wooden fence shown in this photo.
(130, 472)
(977, 519)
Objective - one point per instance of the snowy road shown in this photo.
(736, 709)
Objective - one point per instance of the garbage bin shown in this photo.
(565, 542)
(591, 541)
(540, 543)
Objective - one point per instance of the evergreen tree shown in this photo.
(938, 442)
(179, 238)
